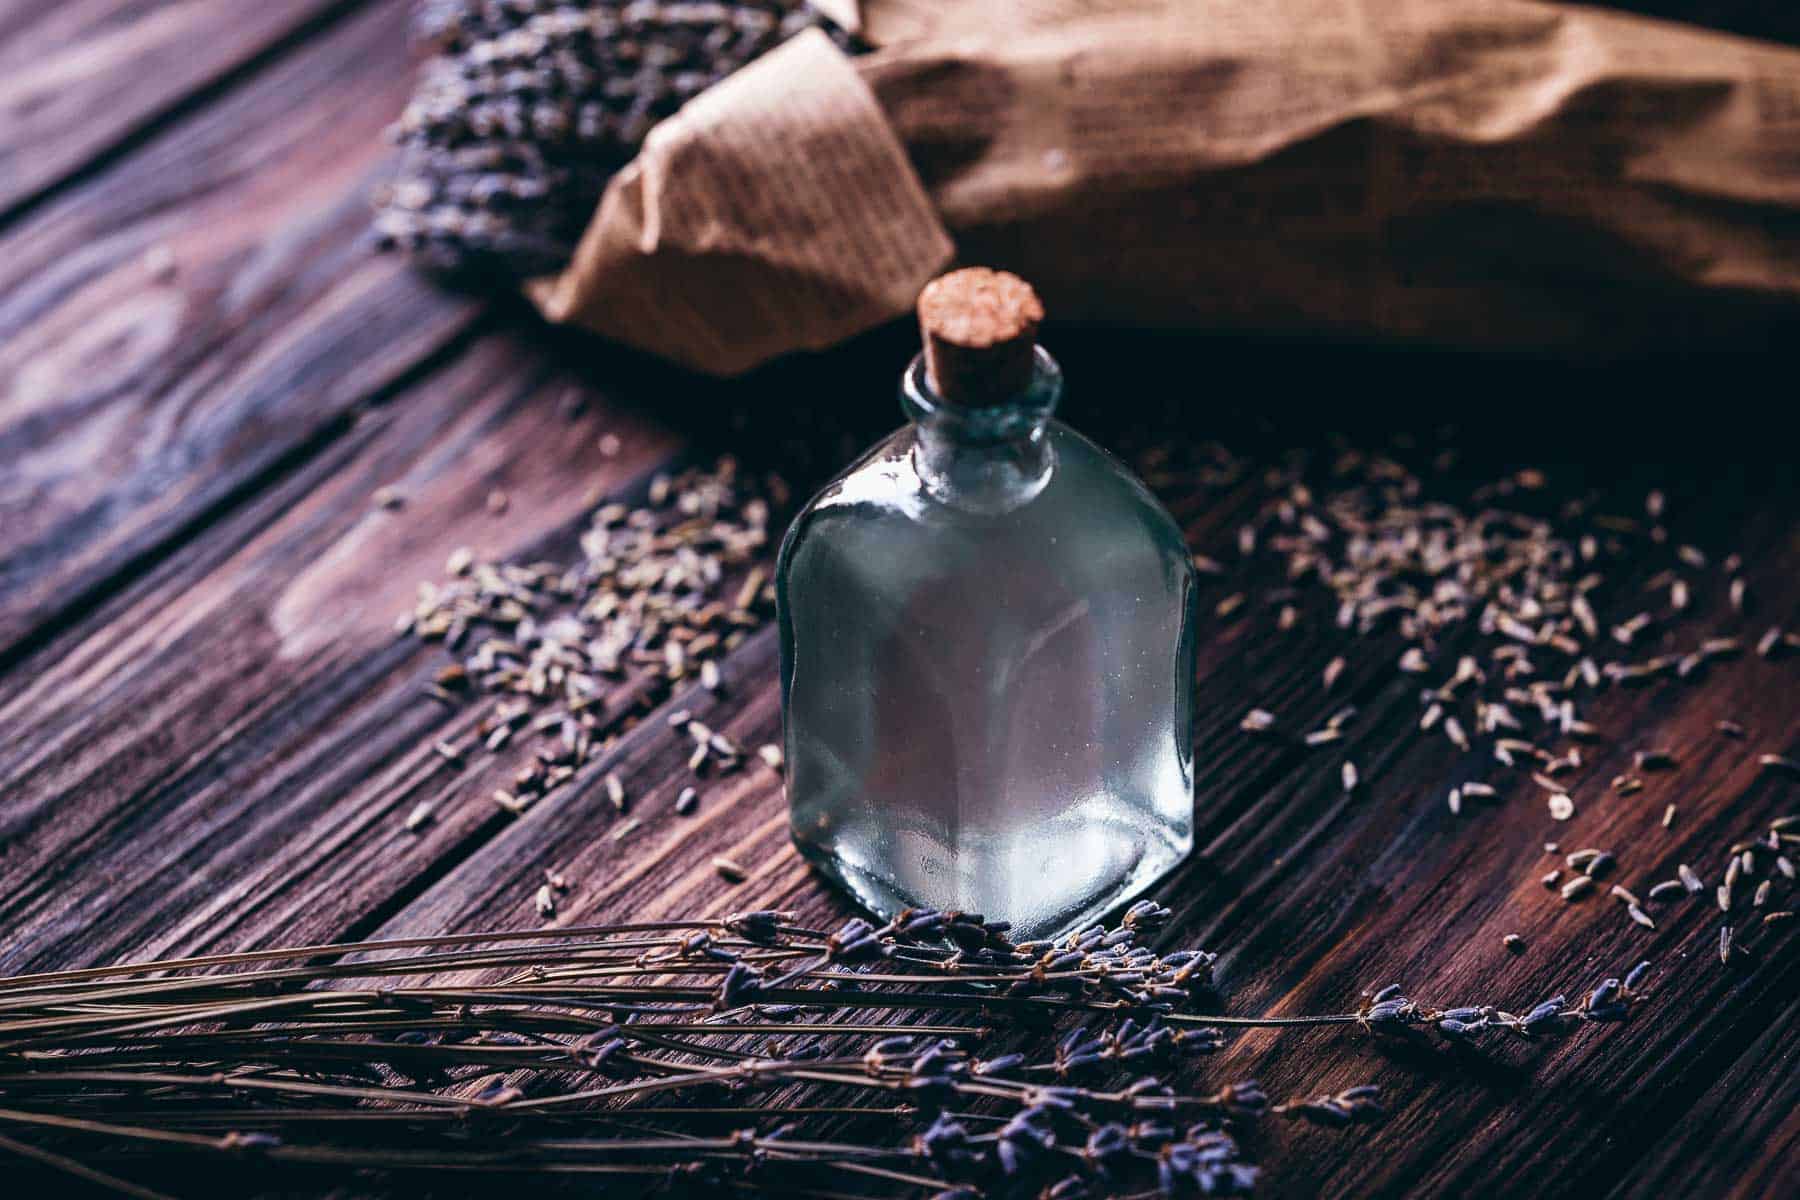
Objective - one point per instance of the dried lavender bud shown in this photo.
(601, 1049)
(1146, 916)
(1203, 1040)
(1245, 1099)
(1217, 1171)
(741, 985)
(1108, 1148)
(1390, 1013)
(856, 939)
(915, 924)
(498, 1092)
(971, 932)
(1024, 1139)
(1342, 1108)
(1544, 1018)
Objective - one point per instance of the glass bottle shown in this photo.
(987, 646)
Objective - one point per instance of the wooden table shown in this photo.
(210, 737)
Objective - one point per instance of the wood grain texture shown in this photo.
(244, 716)
(1314, 897)
(210, 738)
(136, 401)
(282, 821)
(78, 77)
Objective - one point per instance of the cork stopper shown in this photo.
(980, 326)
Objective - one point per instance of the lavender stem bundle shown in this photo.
(620, 1051)
(526, 109)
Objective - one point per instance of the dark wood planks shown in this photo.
(1315, 897)
(262, 802)
(143, 396)
(78, 77)
(660, 865)
(228, 750)
(209, 739)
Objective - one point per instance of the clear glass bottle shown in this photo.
(988, 662)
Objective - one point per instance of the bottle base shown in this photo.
(885, 896)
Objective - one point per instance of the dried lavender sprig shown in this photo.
(762, 926)
(1388, 1010)
(907, 962)
(1110, 1153)
(1096, 970)
(1351, 1105)
(889, 1065)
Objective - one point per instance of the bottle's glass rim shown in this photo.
(1001, 421)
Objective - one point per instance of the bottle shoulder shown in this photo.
(1109, 475)
(1093, 508)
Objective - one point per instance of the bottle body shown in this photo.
(988, 662)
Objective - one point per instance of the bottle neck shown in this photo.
(990, 458)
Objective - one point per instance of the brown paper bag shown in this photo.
(1496, 173)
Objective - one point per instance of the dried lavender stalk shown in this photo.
(413, 1054)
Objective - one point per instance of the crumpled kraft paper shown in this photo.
(1494, 173)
